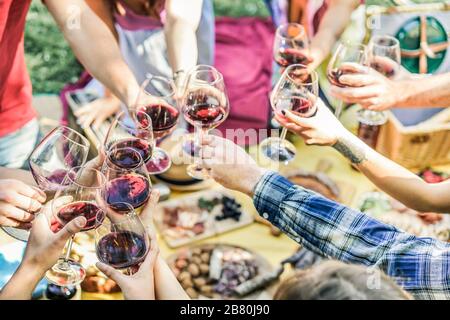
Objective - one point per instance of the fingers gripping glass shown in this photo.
(80, 197)
(297, 91)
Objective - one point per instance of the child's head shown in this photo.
(333, 280)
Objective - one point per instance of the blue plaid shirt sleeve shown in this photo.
(420, 265)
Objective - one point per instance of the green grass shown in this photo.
(50, 60)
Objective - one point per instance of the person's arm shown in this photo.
(400, 183)
(182, 20)
(376, 92)
(95, 46)
(167, 286)
(333, 23)
(420, 265)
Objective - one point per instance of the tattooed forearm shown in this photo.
(350, 150)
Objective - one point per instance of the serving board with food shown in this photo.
(200, 215)
(215, 271)
(391, 211)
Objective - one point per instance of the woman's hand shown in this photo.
(322, 129)
(44, 246)
(140, 285)
(18, 203)
(97, 111)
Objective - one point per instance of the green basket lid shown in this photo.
(409, 37)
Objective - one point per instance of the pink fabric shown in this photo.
(243, 54)
(134, 22)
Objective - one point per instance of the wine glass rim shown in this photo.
(124, 218)
(150, 77)
(377, 37)
(196, 70)
(139, 126)
(114, 167)
(77, 183)
(302, 32)
(60, 128)
(312, 73)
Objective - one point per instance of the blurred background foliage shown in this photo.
(50, 61)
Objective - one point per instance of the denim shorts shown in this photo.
(16, 147)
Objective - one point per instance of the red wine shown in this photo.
(122, 249)
(130, 188)
(52, 182)
(333, 77)
(206, 115)
(303, 107)
(164, 118)
(124, 158)
(288, 56)
(369, 134)
(93, 214)
(384, 68)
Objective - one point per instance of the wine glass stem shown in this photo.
(201, 135)
(338, 110)
(283, 134)
(69, 249)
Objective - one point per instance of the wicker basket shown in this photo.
(417, 146)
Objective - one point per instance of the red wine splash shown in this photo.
(164, 118)
(130, 188)
(123, 157)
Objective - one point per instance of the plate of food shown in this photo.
(215, 271)
(391, 211)
(198, 216)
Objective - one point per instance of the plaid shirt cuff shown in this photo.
(269, 194)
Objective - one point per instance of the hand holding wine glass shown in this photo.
(19, 203)
(297, 90)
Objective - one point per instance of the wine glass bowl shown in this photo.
(131, 184)
(384, 55)
(122, 240)
(128, 132)
(158, 103)
(290, 40)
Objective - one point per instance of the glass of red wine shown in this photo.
(297, 91)
(290, 45)
(125, 132)
(58, 152)
(385, 55)
(80, 197)
(157, 100)
(122, 240)
(205, 106)
(127, 182)
(348, 58)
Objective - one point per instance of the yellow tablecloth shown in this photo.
(257, 237)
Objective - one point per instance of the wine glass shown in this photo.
(157, 99)
(59, 151)
(297, 91)
(205, 106)
(348, 58)
(125, 184)
(122, 240)
(290, 40)
(385, 55)
(81, 196)
(130, 130)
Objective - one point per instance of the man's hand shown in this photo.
(321, 129)
(371, 90)
(97, 111)
(140, 285)
(19, 203)
(230, 165)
